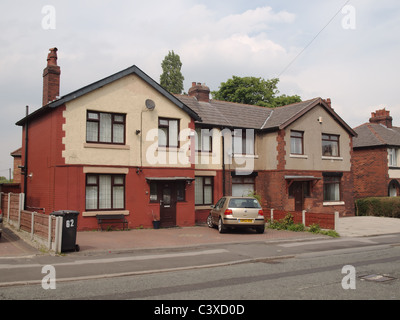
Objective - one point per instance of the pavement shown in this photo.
(15, 244)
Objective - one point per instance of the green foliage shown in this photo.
(255, 196)
(379, 206)
(4, 180)
(314, 228)
(287, 224)
(171, 78)
(254, 91)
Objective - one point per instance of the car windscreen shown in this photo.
(243, 203)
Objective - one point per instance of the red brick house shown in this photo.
(300, 155)
(124, 145)
(87, 151)
(376, 157)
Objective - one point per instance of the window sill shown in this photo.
(203, 207)
(299, 156)
(171, 149)
(106, 146)
(333, 203)
(241, 155)
(332, 158)
(94, 213)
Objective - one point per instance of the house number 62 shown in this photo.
(69, 223)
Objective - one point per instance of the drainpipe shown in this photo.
(26, 158)
(223, 165)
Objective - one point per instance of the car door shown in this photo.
(215, 212)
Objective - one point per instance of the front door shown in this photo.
(298, 196)
(168, 205)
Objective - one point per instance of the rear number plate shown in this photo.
(245, 220)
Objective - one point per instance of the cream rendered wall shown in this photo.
(266, 150)
(312, 159)
(127, 96)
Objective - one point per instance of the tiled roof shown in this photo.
(99, 84)
(375, 134)
(237, 115)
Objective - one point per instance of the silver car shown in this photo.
(237, 212)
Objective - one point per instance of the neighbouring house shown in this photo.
(15, 185)
(299, 155)
(376, 157)
(124, 145)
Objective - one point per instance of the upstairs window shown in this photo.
(105, 128)
(392, 157)
(296, 142)
(168, 132)
(330, 145)
(243, 141)
(203, 140)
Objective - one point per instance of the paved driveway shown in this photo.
(367, 226)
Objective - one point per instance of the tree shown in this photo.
(255, 91)
(171, 78)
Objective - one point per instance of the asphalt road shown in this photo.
(261, 271)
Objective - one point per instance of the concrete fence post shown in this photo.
(8, 207)
(272, 215)
(336, 220)
(303, 217)
(58, 234)
(49, 234)
(20, 208)
(32, 224)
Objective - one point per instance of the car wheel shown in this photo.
(221, 226)
(260, 229)
(210, 222)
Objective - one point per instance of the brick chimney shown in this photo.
(51, 78)
(200, 91)
(383, 117)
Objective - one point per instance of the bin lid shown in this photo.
(64, 212)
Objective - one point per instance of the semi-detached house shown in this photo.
(376, 157)
(124, 145)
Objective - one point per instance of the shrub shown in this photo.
(378, 206)
(314, 228)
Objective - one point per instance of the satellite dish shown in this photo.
(150, 105)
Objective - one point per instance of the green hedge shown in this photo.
(379, 207)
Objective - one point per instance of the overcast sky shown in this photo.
(312, 46)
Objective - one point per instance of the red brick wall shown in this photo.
(324, 220)
(370, 170)
(272, 187)
(44, 156)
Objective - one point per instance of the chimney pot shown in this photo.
(51, 78)
(383, 117)
(200, 91)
